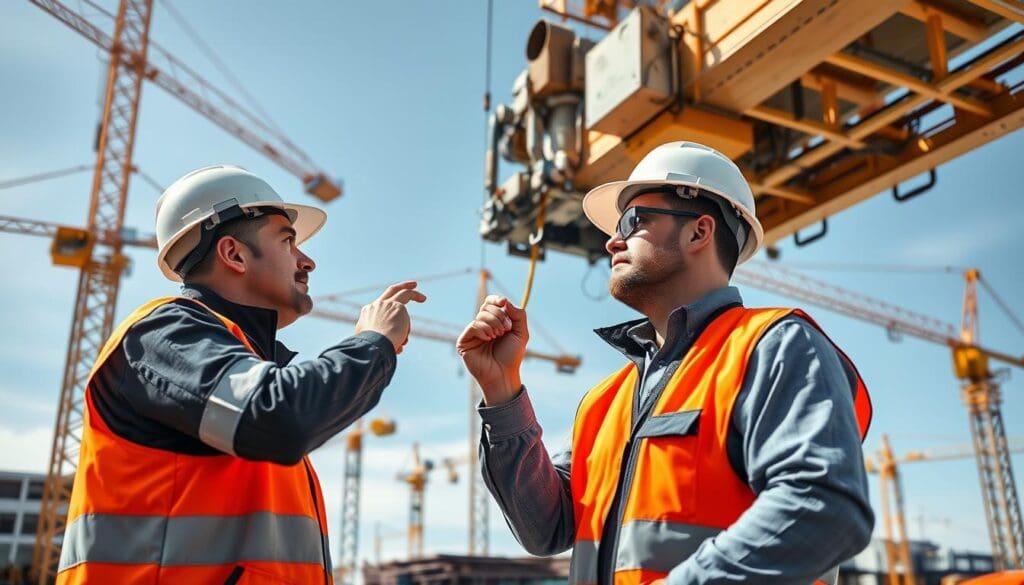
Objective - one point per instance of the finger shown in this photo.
(500, 314)
(475, 335)
(518, 318)
(396, 288)
(495, 323)
(406, 295)
(496, 300)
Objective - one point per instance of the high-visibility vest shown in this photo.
(144, 515)
(670, 470)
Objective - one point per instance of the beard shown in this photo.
(641, 282)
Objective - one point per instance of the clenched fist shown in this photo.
(493, 346)
(388, 316)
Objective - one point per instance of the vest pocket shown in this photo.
(664, 485)
(673, 424)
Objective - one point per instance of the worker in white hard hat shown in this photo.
(194, 465)
(727, 448)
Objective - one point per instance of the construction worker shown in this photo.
(727, 449)
(193, 465)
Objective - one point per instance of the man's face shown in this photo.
(648, 258)
(279, 272)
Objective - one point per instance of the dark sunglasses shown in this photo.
(630, 219)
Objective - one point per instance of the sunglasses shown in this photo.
(630, 219)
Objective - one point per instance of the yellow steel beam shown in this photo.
(937, 53)
(812, 127)
(965, 27)
(1007, 9)
(880, 173)
(858, 93)
(881, 73)
(981, 66)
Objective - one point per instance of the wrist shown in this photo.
(501, 391)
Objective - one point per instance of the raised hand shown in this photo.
(388, 315)
(493, 346)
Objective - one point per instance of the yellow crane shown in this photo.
(97, 248)
(885, 464)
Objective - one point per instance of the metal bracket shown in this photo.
(800, 242)
(932, 178)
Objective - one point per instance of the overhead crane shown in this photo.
(980, 387)
(97, 248)
(821, 103)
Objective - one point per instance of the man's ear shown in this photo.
(703, 233)
(232, 254)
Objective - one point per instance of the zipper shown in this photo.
(316, 508)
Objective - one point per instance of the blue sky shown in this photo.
(388, 97)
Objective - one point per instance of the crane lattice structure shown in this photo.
(97, 248)
(980, 390)
(899, 563)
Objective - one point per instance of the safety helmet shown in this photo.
(697, 170)
(194, 205)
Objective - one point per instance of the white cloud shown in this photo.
(26, 450)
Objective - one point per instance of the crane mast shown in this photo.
(982, 396)
(100, 275)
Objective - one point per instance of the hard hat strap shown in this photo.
(211, 229)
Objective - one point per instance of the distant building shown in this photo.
(462, 570)
(21, 496)
(931, 564)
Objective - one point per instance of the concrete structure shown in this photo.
(20, 498)
(463, 570)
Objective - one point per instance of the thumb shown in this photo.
(517, 316)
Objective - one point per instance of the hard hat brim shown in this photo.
(307, 221)
(602, 207)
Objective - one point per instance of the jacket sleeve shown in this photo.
(799, 447)
(531, 487)
(197, 378)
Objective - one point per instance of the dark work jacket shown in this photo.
(154, 388)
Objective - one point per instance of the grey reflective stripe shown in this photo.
(831, 577)
(227, 403)
(191, 540)
(658, 546)
(583, 569)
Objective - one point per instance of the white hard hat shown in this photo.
(688, 165)
(211, 195)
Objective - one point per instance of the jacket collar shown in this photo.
(632, 338)
(258, 324)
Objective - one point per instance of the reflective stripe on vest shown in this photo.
(145, 515)
(190, 540)
(668, 469)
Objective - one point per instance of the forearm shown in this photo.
(793, 534)
(296, 408)
(531, 488)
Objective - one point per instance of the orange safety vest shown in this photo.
(672, 469)
(144, 515)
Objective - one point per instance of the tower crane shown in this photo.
(478, 503)
(821, 103)
(97, 249)
(980, 387)
(417, 480)
(885, 464)
(350, 491)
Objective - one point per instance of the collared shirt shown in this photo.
(153, 389)
(794, 439)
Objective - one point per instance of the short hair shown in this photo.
(243, 229)
(726, 244)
